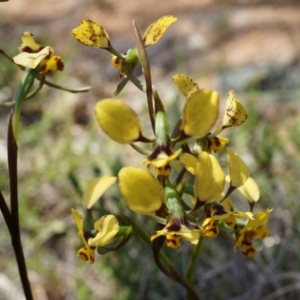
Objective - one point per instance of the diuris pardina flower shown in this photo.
(92, 34)
(36, 56)
(177, 226)
(105, 229)
(151, 36)
(254, 229)
(144, 194)
(221, 212)
(201, 110)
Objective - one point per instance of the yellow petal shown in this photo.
(29, 43)
(51, 63)
(116, 62)
(248, 249)
(211, 227)
(118, 120)
(210, 178)
(191, 235)
(107, 227)
(237, 169)
(227, 204)
(86, 253)
(189, 161)
(156, 30)
(95, 189)
(185, 84)
(162, 159)
(200, 113)
(235, 113)
(250, 190)
(31, 60)
(78, 221)
(259, 220)
(91, 34)
(141, 191)
(217, 143)
(173, 240)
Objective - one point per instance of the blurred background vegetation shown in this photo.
(249, 46)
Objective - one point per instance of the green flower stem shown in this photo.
(35, 91)
(140, 232)
(113, 51)
(140, 150)
(21, 94)
(51, 84)
(145, 237)
(192, 262)
(218, 130)
(120, 86)
(128, 71)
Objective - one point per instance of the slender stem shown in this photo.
(191, 266)
(193, 259)
(35, 91)
(140, 85)
(17, 245)
(12, 151)
(6, 213)
(120, 86)
(51, 84)
(218, 130)
(175, 274)
(145, 237)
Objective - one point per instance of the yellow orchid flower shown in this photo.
(254, 229)
(107, 227)
(178, 228)
(161, 157)
(221, 212)
(34, 55)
